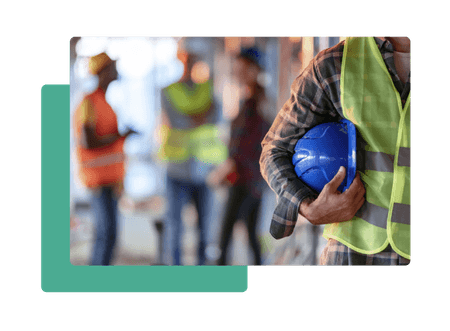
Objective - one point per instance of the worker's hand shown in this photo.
(129, 132)
(219, 175)
(333, 206)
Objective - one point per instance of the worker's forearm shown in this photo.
(278, 171)
(106, 140)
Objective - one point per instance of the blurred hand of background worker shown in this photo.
(222, 174)
(89, 138)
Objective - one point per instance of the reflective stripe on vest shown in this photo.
(379, 161)
(378, 216)
(104, 160)
(370, 100)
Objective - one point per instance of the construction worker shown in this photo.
(241, 169)
(191, 148)
(99, 150)
(367, 81)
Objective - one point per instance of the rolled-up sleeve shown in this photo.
(309, 105)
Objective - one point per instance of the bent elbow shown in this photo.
(279, 231)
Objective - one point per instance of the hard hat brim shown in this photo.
(351, 168)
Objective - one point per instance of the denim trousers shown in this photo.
(179, 193)
(104, 207)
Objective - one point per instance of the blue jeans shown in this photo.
(179, 193)
(104, 206)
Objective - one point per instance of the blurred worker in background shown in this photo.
(241, 169)
(191, 147)
(101, 158)
(367, 81)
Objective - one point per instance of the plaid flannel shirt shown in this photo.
(315, 99)
(336, 253)
(247, 131)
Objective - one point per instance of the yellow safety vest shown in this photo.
(370, 100)
(201, 142)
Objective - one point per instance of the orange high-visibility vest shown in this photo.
(104, 165)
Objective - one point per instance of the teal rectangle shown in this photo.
(57, 273)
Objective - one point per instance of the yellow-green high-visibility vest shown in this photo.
(370, 100)
(202, 142)
(190, 101)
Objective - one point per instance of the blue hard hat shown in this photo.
(254, 55)
(320, 153)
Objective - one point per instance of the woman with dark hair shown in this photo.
(241, 169)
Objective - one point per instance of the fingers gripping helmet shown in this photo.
(322, 150)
